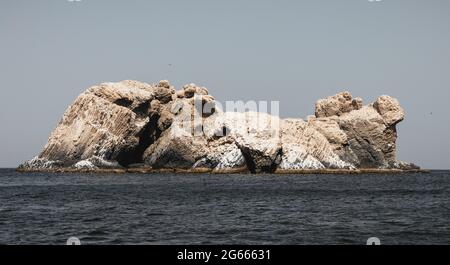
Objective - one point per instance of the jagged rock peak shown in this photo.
(337, 105)
(390, 109)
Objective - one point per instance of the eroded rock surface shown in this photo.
(366, 136)
(134, 124)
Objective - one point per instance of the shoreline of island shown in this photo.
(226, 171)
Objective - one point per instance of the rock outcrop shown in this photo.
(362, 136)
(129, 125)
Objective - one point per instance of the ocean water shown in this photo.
(42, 208)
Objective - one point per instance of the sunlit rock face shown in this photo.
(131, 124)
(364, 136)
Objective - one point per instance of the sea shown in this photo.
(178, 209)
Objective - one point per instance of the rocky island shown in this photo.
(132, 126)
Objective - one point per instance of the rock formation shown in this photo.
(133, 125)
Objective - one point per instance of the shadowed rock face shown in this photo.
(134, 124)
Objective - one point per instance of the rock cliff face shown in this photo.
(134, 125)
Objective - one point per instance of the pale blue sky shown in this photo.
(291, 51)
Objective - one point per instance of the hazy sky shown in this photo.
(291, 51)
